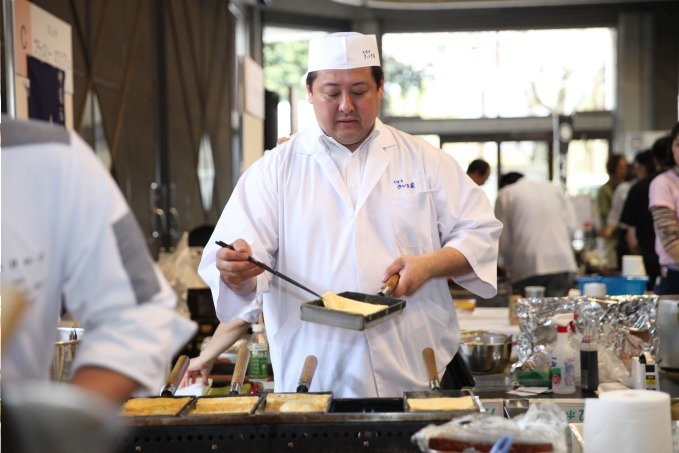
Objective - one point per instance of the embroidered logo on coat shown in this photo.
(402, 184)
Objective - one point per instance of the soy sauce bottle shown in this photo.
(589, 360)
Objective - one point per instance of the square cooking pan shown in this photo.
(367, 405)
(252, 400)
(270, 403)
(157, 406)
(424, 394)
(315, 311)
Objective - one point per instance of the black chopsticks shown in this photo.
(267, 268)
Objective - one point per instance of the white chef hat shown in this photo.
(346, 50)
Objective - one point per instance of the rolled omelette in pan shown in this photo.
(153, 406)
(441, 404)
(225, 405)
(335, 302)
(299, 402)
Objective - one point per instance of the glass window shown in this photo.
(586, 163)
(498, 73)
(464, 153)
(285, 64)
(527, 157)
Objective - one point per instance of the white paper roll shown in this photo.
(628, 421)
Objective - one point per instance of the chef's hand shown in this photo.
(235, 269)
(197, 367)
(413, 273)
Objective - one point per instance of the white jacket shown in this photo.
(539, 222)
(67, 232)
(294, 209)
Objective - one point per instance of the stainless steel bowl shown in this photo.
(484, 351)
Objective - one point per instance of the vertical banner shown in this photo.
(43, 65)
(51, 42)
(253, 79)
(22, 36)
(252, 125)
(46, 92)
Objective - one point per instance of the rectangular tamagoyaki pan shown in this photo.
(307, 402)
(409, 397)
(222, 405)
(437, 400)
(315, 311)
(155, 406)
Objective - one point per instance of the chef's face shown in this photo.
(622, 169)
(346, 103)
(675, 149)
(480, 179)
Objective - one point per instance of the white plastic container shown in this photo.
(633, 265)
(563, 359)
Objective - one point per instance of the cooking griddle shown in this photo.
(316, 312)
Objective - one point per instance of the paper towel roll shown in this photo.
(628, 421)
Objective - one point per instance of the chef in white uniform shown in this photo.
(342, 206)
(68, 235)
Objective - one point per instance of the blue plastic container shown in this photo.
(616, 285)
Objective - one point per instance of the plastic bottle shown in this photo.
(589, 360)
(574, 344)
(562, 368)
(259, 353)
(590, 235)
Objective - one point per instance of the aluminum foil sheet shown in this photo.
(626, 325)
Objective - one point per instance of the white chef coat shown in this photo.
(294, 209)
(67, 231)
(539, 222)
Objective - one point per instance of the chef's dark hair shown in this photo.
(662, 151)
(479, 166)
(377, 73)
(510, 178)
(667, 144)
(675, 132)
(644, 158)
(612, 163)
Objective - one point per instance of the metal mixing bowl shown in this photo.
(484, 351)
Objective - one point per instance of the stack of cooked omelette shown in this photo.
(335, 302)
